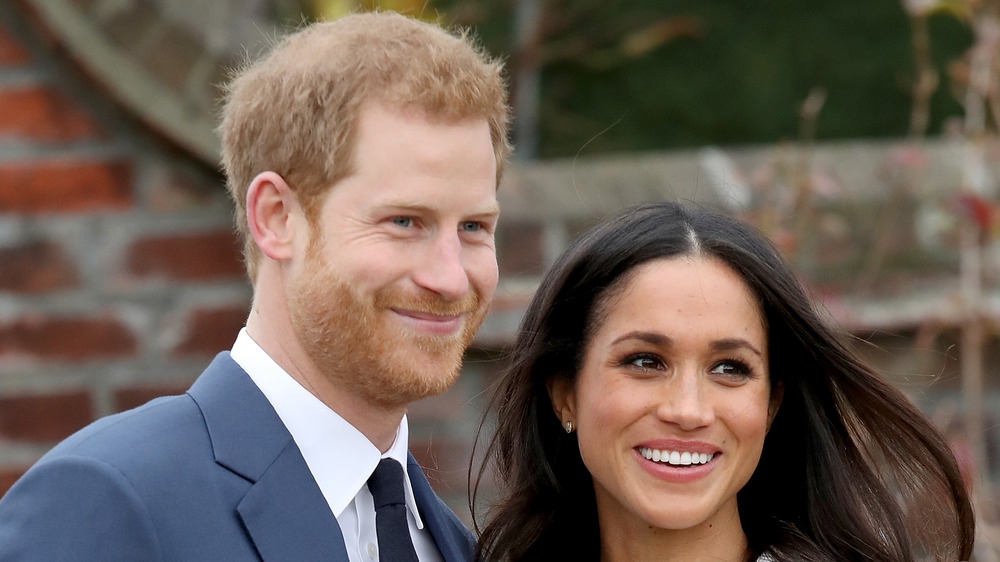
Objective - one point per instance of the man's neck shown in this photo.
(274, 334)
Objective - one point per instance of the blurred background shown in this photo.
(861, 137)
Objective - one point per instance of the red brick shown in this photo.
(188, 257)
(211, 330)
(44, 417)
(42, 114)
(128, 397)
(64, 186)
(35, 268)
(11, 53)
(66, 338)
(9, 475)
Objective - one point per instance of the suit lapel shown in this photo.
(453, 540)
(283, 509)
(287, 516)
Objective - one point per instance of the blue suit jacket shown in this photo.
(209, 475)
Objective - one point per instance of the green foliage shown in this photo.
(721, 72)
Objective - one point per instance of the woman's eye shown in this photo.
(644, 361)
(405, 222)
(732, 368)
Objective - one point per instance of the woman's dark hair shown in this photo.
(850, 469)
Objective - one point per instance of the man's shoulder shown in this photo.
(140, 452)
(159, 429)
(165, 427)
(133, 485)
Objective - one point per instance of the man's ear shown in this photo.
(777, 393)
(271, 211)
(562, 394)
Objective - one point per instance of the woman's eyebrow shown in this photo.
(734, 343)
(658, 339)
(648, 337)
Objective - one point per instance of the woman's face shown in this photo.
(673, 400)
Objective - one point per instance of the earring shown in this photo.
(569, 427)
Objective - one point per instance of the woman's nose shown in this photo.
(684, 402)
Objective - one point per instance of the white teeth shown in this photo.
(680, 458)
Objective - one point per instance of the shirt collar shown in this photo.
(340, 458)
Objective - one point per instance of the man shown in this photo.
(363, 157)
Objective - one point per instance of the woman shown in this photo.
(672, 394)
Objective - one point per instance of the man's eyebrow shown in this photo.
(493, 209)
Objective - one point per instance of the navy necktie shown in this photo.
(386, 486)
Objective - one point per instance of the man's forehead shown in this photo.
(485, 207)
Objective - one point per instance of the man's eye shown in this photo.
(472, 226)
(402, 221)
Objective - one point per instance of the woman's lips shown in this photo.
(677, 461)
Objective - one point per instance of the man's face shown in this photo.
(402, 266)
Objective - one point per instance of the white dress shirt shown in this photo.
(340, 458)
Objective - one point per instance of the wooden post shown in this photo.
(971, 352)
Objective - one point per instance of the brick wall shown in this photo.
(120, 276)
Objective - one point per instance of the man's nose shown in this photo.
(442, 269)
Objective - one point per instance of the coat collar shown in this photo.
(454, 541)
(284, 510)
